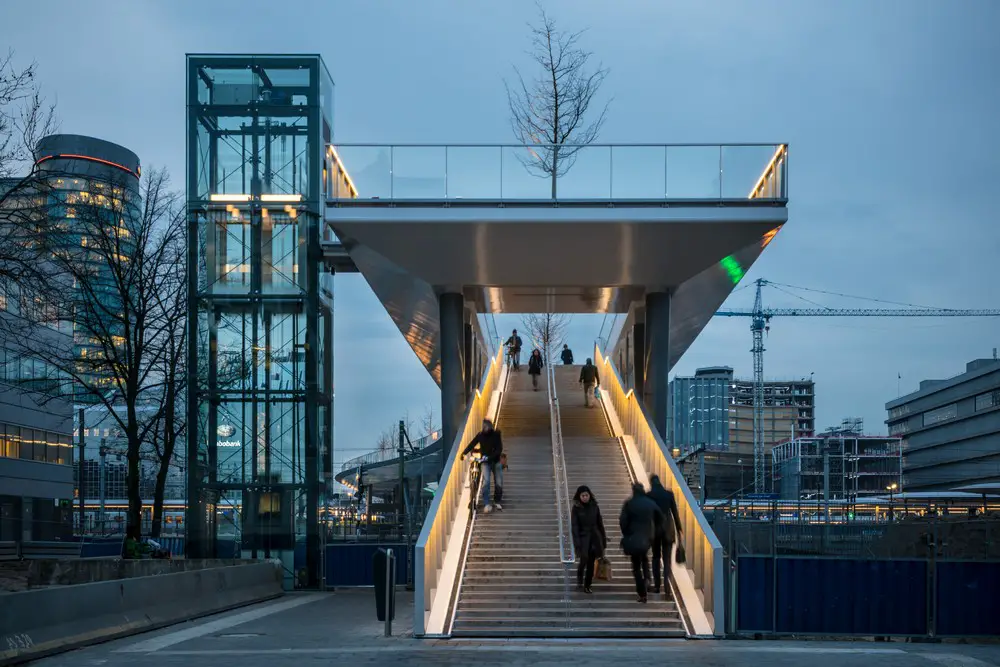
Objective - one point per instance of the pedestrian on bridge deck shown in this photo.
(567, 355)
(589, 537)
(589, 379)
(535, 365)
(669, 533)
(640, 520)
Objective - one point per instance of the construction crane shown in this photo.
(760, 319)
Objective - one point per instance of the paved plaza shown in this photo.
(323, 627)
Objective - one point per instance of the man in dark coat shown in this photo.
(663, 541)
(589, 378)
(567, 355)
(640, 520)
(491, 447)
(589, 537)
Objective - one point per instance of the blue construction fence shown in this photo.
(844, 596)
(350, 565)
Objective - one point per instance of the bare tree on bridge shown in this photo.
(550, 110)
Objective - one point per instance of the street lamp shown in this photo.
(892, 490)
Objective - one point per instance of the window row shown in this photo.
(990, 399)
(29, 444)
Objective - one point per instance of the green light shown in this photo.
(733, 268)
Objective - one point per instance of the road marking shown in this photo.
(178, 636)
(539, 648)
(955, 660)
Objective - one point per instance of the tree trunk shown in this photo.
(134, 497)
(555, 169)
(158, 493)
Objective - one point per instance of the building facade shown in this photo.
(699, 409)
(840, 464)
(950, 429)
(36, 453)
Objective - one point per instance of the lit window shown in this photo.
(940, 414)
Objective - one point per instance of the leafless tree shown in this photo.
(546, 331)
(171, 360)
(25, 117)
(388, 440)
(427, 422)
(114, 254)
(551, 110)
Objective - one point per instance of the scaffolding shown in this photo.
(841, 464)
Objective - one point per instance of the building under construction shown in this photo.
(711, 427)
(840, 464)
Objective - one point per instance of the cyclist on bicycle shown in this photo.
(491, 448)
(514, 350)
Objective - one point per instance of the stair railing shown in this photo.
(703, 549)
(567, 552)
(439, 548)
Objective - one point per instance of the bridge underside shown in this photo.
(588, 258)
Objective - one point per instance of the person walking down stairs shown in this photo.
(567, 355)
(589, 537)
(491, 446)
(589, 379)
(535, 365)
(669, 533)
(640, 521)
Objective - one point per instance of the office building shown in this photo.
(36, 455)
(950, 429)
(90, 182)
(840, 464)
(715, 411)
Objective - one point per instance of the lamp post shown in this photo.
(892, 490)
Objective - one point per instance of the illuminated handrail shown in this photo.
(601, 172)
(773, 182)
(567, 550)
(446, 508)
(703, 549)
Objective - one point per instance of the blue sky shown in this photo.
(890, 109)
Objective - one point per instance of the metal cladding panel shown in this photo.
(350, 565)
(755, 602)
(860, 597)
(968, 598)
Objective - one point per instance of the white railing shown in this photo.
(704, 565)
(567, 552)
(439, 547)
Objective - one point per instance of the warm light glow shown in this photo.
(778, 155)
(222, 197)
(769, 236)
(343, 170)
(280, 197)
(629, 393)
(71, 156)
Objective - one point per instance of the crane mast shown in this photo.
(759, 319)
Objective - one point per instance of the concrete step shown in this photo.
(541, 632)
(594, 623)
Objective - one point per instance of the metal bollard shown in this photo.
(390, 584)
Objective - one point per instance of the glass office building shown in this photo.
(259, 170)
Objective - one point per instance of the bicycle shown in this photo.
(475, 477)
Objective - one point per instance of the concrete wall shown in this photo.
(51, 620)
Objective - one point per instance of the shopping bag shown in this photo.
(597, 393)
(680, 556)
(602, 569)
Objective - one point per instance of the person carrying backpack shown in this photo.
(589, 379)
(514, 350)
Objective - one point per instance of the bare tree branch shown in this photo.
(117, 254)
(547, 331)
(550, 111)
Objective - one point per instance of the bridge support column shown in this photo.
(657, 363)
(637, 361)
(452, 311)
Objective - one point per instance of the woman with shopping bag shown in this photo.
(589, 538)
